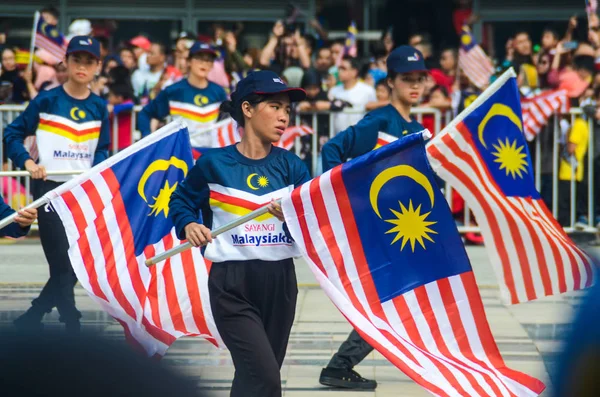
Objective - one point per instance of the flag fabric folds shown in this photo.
(473, 61)
(350, 43)
(380, 239)
(50, 39)
(484, 156)
(538, 109)
(115, 217)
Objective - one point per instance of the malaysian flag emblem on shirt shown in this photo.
(50, 39)
(485, 158)
(116, 216)
(473, 61)
(380, 239)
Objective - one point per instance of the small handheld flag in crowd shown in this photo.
(473, 61)
(350, 44)
(47, 37)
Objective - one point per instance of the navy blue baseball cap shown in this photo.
(199, 48)
(265, 82)
(405, 59)
(84, 44)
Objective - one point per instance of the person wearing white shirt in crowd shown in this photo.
(353, 91)
(145, 80)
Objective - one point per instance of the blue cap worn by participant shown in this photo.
(405, 59)
(265, 82)
(84, 44)
(199, 48)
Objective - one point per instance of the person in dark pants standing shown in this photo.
(72, 131)
(406, 78)
(252, 281)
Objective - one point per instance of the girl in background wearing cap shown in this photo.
(406, 78)
(195, 99)
(252, 281)
(71, 127)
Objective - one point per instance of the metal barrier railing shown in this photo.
(16, 189)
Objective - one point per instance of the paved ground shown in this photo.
(529, 335)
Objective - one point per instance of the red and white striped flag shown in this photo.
(473, 61)
(50, 39)
(226, 133)
(483, 155)
(290, 134)
(380, 240)
(116, 217)
(538, 109)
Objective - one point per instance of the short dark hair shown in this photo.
(103, 40)
(52, 11)
(162, 47)
(441, 88)
(323, 49)
(121, 89)
(382, 82)
(585, 62)
(354, 62)
(519, 32)
(550, 29)
(310, 41)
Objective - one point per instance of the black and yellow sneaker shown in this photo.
(345, 378)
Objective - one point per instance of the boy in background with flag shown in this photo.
(71, 127)
(406, 78)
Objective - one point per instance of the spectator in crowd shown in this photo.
(234, 60)
(544, 70)
(284, 49)
(144, 81)
(104, 46)
(119, 74)
(128, 58)
(323, 62)
(572, 168)
(10, 74)
(382, 94)
(550, 40)
(109, 63)
(353, 91)
(422, 42)
(120, 104)
(519, 53)
(252, 58)
(182, 48)
(577, 78)
(195, 99)
(388, 40)
(141, 47)
(50, 15)
(445, 75)
(337, 51)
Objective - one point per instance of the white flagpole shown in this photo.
(36, 19)
(180, 248)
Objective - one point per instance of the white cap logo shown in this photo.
(414, 58)
(277, 80)
(83, 42)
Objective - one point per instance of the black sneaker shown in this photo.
(29, 322)
(346, 378)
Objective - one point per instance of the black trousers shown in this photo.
(59, 289)
(253, 304)
(351, 352)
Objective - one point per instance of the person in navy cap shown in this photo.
(252, 281)
(406, 78)
(195, 99)
(72, 132)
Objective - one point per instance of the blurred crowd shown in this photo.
(335, 78)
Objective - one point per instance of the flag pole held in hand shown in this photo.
(225, 228)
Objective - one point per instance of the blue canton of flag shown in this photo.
(116, 216)
(380, 239)
(485, 158)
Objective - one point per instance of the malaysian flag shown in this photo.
(350, 44)
(484, 156)
(49, 38)
(538, 109)
(380, 239)
(473, 61)
(290, 134)
(116, 217)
